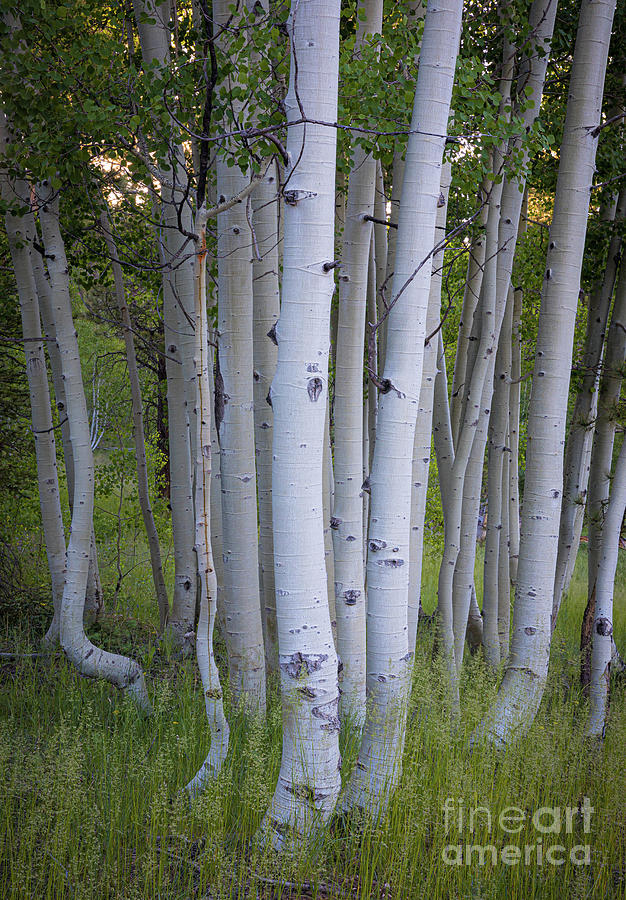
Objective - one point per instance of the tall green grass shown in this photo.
(92, 805)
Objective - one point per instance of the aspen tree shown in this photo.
(347, 520)
(423, 426)
(212, 689)
(90, 660)
(242, 601)
(152, 18)
(495, 592)
(476, 416)
(604, 435)
(20, 233)
(388, 653)
(308, 781)
(522, 688)
(578, 449)
(514, 412)
(501, 236)
(266, 311)
(602, 631)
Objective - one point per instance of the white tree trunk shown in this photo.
(143, 490)
(388, 654)
(94, 600)
(514, 416)
(328, 492)
(212, 689)
(88, 659)
(20, 233)
(423, 426)
(266, 311)
(152, 19)
(488, 317)
(494, 591)
(525, 677)
(602, 632)
(308, 782)
(242, 600)
(444, 450)
(471, 295)
(494, 291)
(347, 521)
(578, 450)
(604, 436)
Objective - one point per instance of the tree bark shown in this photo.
(604, 436)
(177, 262)
(423, 426)
(308, 781)
(242, 600)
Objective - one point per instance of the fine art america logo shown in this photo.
(545, 823)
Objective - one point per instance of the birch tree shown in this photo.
(525, 677)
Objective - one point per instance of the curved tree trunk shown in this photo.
(218, 726)
(89, 660)
(525, 677)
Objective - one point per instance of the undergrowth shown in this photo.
(92, 803)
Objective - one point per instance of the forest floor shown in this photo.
(92, 807)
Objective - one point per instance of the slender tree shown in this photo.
(88, 659)
(525, 677)
(388, 654)
(347, 521)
